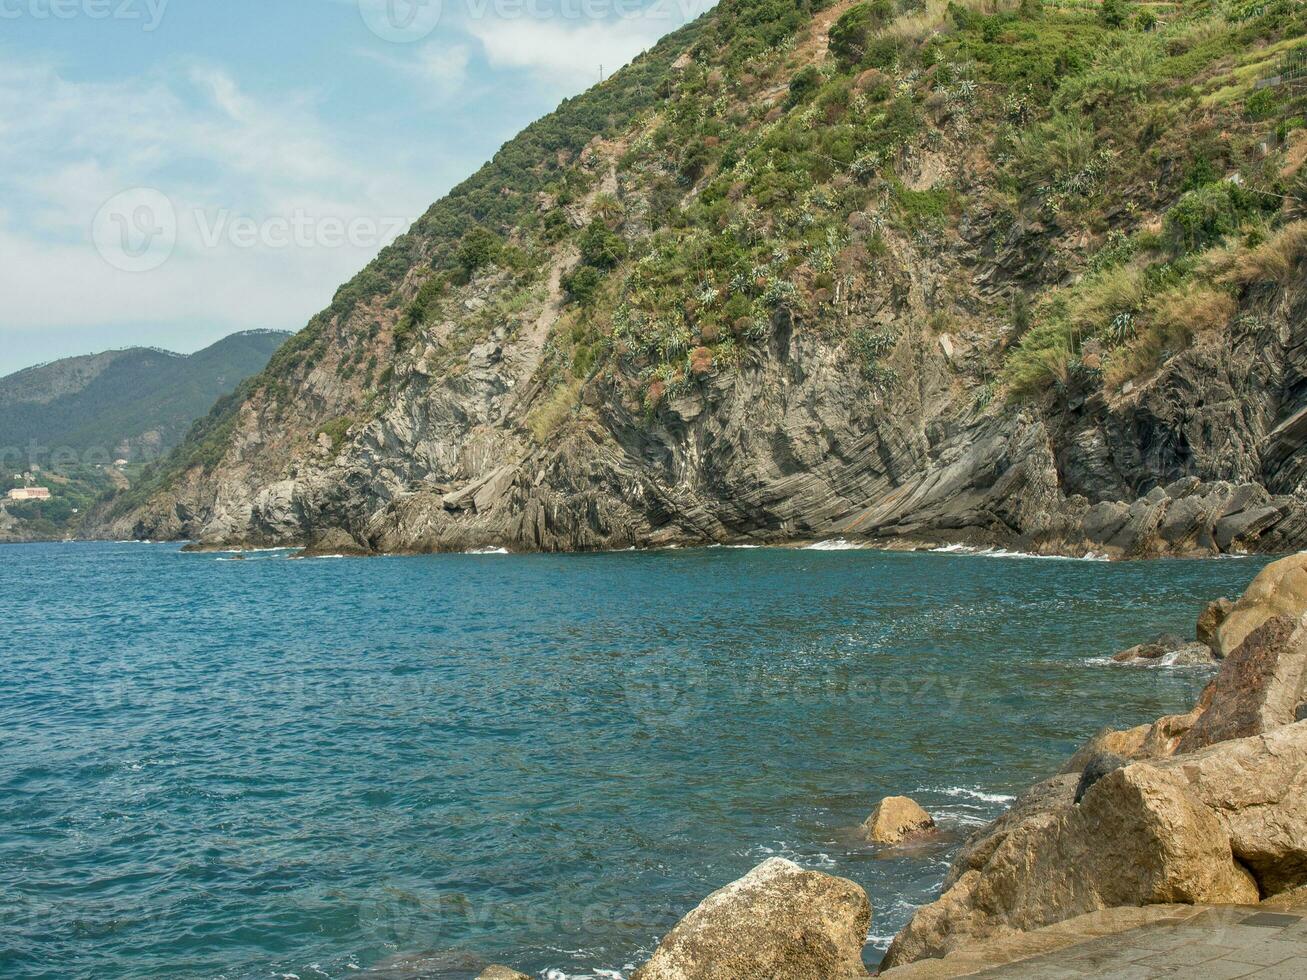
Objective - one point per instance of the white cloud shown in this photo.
(567, 53)
(220, 156)
(439, 69)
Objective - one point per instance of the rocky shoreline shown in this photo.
(1198, 809)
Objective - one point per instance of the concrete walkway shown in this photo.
(1215, 944)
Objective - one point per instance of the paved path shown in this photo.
(1216, 944)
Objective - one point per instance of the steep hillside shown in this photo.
(986, 272)
(132, 403)
(64, 425)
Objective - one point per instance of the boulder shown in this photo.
(1260, 687)
(1209, 622)
(778, 922)
(497, 972)
(1166, 650)
(1128, 744)
(896, 819)
(1280, 589)
(1140, 836)
(1257, 788)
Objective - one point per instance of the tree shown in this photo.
(849, 35)
(600, 247)
(479, 248)
(1113, 13)
(583, 285)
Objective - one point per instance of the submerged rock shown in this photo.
(896, 819)
(1167, 650)
(778, 922)
(497, 972)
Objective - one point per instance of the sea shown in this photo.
(257, 766)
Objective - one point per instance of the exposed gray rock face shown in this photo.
(778, 922)
(793, 444)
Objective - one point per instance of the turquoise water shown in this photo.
(268, 768)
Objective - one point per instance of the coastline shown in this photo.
(1203, 810)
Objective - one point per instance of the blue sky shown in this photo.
(172, 171)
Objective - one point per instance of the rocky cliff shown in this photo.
(1025, 275)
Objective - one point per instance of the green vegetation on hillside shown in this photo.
(757, 181)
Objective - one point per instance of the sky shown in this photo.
(173, 171)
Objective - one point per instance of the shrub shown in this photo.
(851, 32)
(600, 247)
(479, 248)
(583, 285)
(1204, 216)
(1262, 104)
(1175, 316)
(1275, 260)
(805, 82)
(1113, 13)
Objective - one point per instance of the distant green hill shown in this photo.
(135, 404)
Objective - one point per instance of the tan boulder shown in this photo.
(1129, 744)
(1257, 788)
(1052, 796)
(896, 819)
(1261, 686)
(1139, 837)
(778, 922)
(497, 972)
(1280, 589)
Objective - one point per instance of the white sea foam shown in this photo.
(487, 551)
(966, 549)
(976, 794)
(834, 544)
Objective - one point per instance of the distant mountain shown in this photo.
(135, 404)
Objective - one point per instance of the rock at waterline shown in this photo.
(1260, 687)
(1140, 836)
(895, 820)
(1280, 589)
(1209, 623)
(498, 972)
(778, 922)
(1169, 650)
